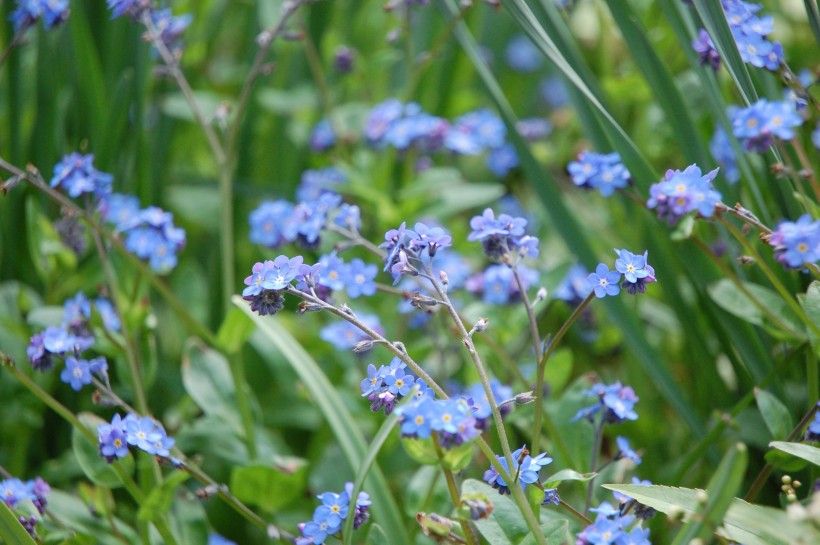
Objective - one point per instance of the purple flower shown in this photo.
(625, 450)
(28, 12)
(797, 243)
(603, 172)
(706, 50)
(76, 373)
(680, 193)
(77, 175)
(272, 224)
(428, 238)
(111, 437)
(524, 466)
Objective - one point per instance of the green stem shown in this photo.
(455, 497)
(540, 378)
(768, 468)
(575, 513)
(781, 289)
(596, 448)
(130, 350)
(243, 396)
(191, 323)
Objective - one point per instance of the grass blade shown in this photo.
(11, 531)
(339, 419)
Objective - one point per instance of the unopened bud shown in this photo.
(746, 260)
(524, 398)
(363, 346)
(480, 325)
(305, 306)
(346, 309)
(701, 496)
(540, 295)
(786, 479)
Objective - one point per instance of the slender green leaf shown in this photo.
(567, 475)
(234, 332)
(757, 305)
(714, 19)
(661, 81)
(814, 18)
(806, 452)
(367, 463)
(159, 500)
(11, 531)
(722, 487)
(774, 413)
(810, 301)
(333, 408)
(751, 524)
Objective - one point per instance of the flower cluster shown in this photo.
(386, 386)
(451, 420)
(76, 174)
(603, 172)
(611, 526)
(750, 33)
(162, 25)
(328, 518)
(145, 433)
(14, 491)
(405, 248)
(72, 337)
(706, 50)
(150, 233)
(497, 286)
(797, 242)
(268, 280)
(28, 12)
(525, 470)
(637, 273)
(278, 222)
(616, 401)
(758, 125)
(503, 238)
(680, 193)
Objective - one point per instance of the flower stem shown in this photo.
(452, 488)
(596, 447)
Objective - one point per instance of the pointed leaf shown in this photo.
(206, 376)
(775, 414)
(806, 452)
(11, 531)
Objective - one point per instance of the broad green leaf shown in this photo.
(289, 101)
(506, 525)
(333, 409)
(806, 452)
(559, 369)
(159, 500)
(555, 531)
(88, 456)
(774, 413)
(11, 531)
(722, 488)
(744, 522)
(196, 204)
(270, 488)
(567, 475)
(175, 105)
(75, 513)
(234, 332)
(757, 305)
(206, 376)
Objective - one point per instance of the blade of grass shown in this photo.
(814, 18)
(333, 408)
(364, 468)
(11, 531)
(567, 225)
(661, 82)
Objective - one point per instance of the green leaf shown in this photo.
(270, 488)
(234, 332)
(88, 456)
(806, 452)
(555, 531)
(333, 409)
(506, 525)
(744, 522)
(810, 301)
(775, 414)
(159, 500)
(722, 488)
(367, 463)
(196, 204)
(11, 531)
(376, 536)
(206, 376)
(757, 305)
(567, 475)
(559, 369)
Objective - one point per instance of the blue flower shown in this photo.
(344, 335)
(142, 433)
(308, 277)
(272, 224)
(281, 272)
(316, 182)
(502, 160)
(521, 55)
(533, 128)
(796, 243)
(416, 419)
(574, 287)
(604, 282)
(111, 437)
(348, 216)
(322, 137)
(680, 193)
(360, 278)
(399, 383)
(216, 539)
(813, 431)
(28, 12)
(705, 48)
(427, 238)
(40, 358)
(551, 496)
(169, 27)
(13, 491)
(333, 510)
(131, 8)
(109, 315)
(625, 450)
(630, 265)
(757, 125)
(603, 172)
(77, 175)
(722, 151)
(76, 373)
(525, 468)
